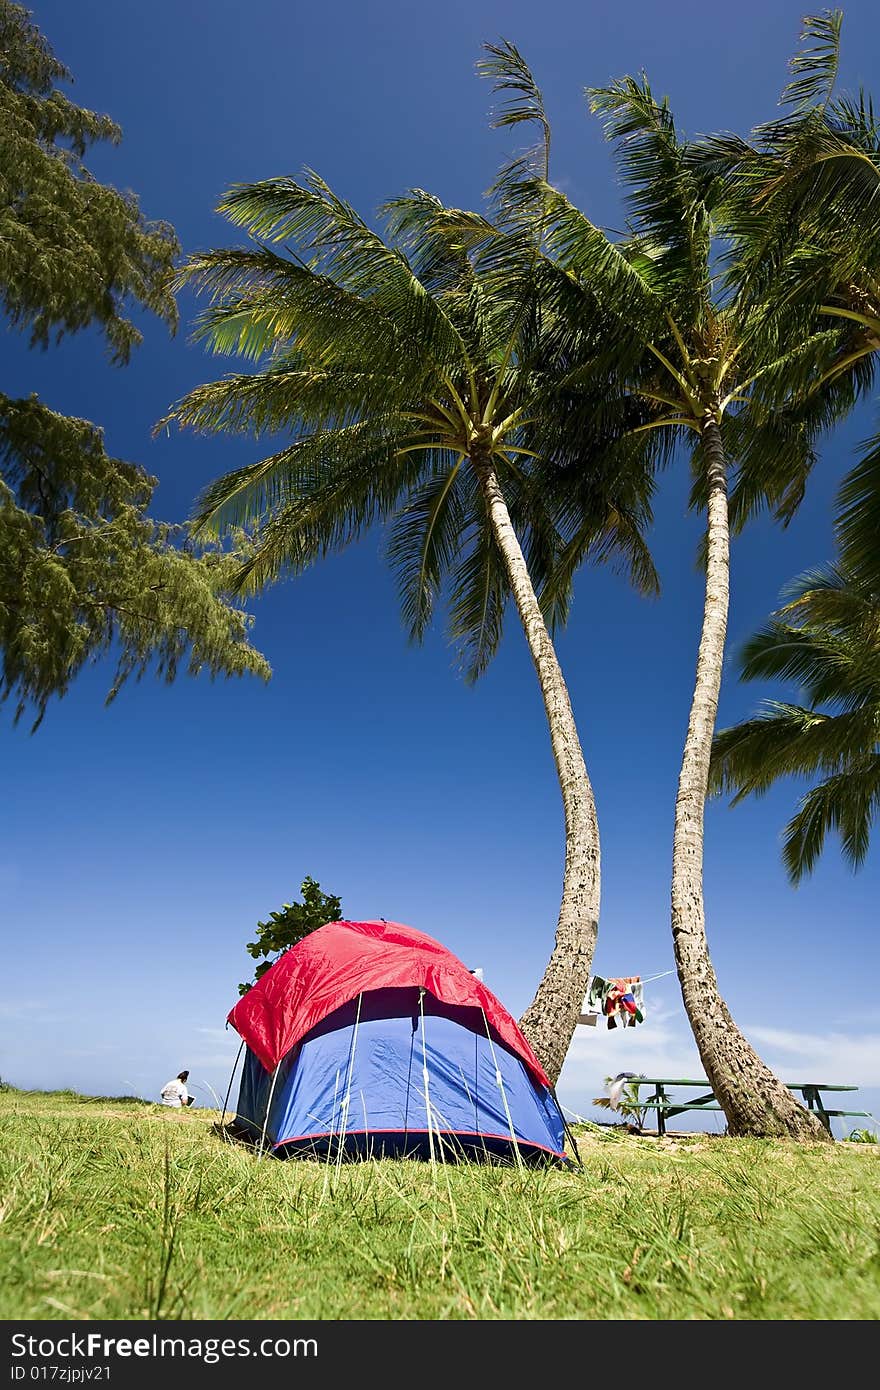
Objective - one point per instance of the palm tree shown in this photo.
(803, 203)
(699, 351)
(827, 638)
(415, 383)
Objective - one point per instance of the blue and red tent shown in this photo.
(371, 1038)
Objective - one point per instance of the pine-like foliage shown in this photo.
(85, 572)
(83, 569)
(73, 252)
(290, 925)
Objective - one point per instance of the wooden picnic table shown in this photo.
(666, 1106)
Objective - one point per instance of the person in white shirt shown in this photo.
(175, 1092)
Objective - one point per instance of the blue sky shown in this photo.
(141, 844)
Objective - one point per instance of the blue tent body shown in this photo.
(398, 1073)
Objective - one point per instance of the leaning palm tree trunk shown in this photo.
(753, 1099)
(550, 1020)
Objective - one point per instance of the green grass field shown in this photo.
(119, 1209)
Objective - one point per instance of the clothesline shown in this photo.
(649, 979)
(661, 976)
(620, 1000)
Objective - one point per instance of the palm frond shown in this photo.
(832, 597)
(603, 512)
(327, 460)
(504, 66)
(478, 593)
(815, 67)
(263, 303)
(284, 397)
(602, 267)
(858, 516)
(828, 668)
(826, 638)
(337, 506)
(848, 803)
(515, 192)
(438, 241)
(772, 456)
(782, 740)
(345, 250)
(424, 540)
(665, 196)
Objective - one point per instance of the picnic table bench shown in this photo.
(666, 1106)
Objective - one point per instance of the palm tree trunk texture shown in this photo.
(550, 1020)
(751, 1096)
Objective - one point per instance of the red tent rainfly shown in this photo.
(341, 960)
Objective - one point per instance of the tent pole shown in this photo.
(425, 1078)
(330, 1140)
(346, 1099)
(499, 1081)
(268, 1108)
(229, 1087)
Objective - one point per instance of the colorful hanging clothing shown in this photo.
(621, 1001)
(592, 1005)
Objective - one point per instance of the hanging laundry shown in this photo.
(597, 988)
(621, 1001)
(621, 1005)
(593, 1003)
